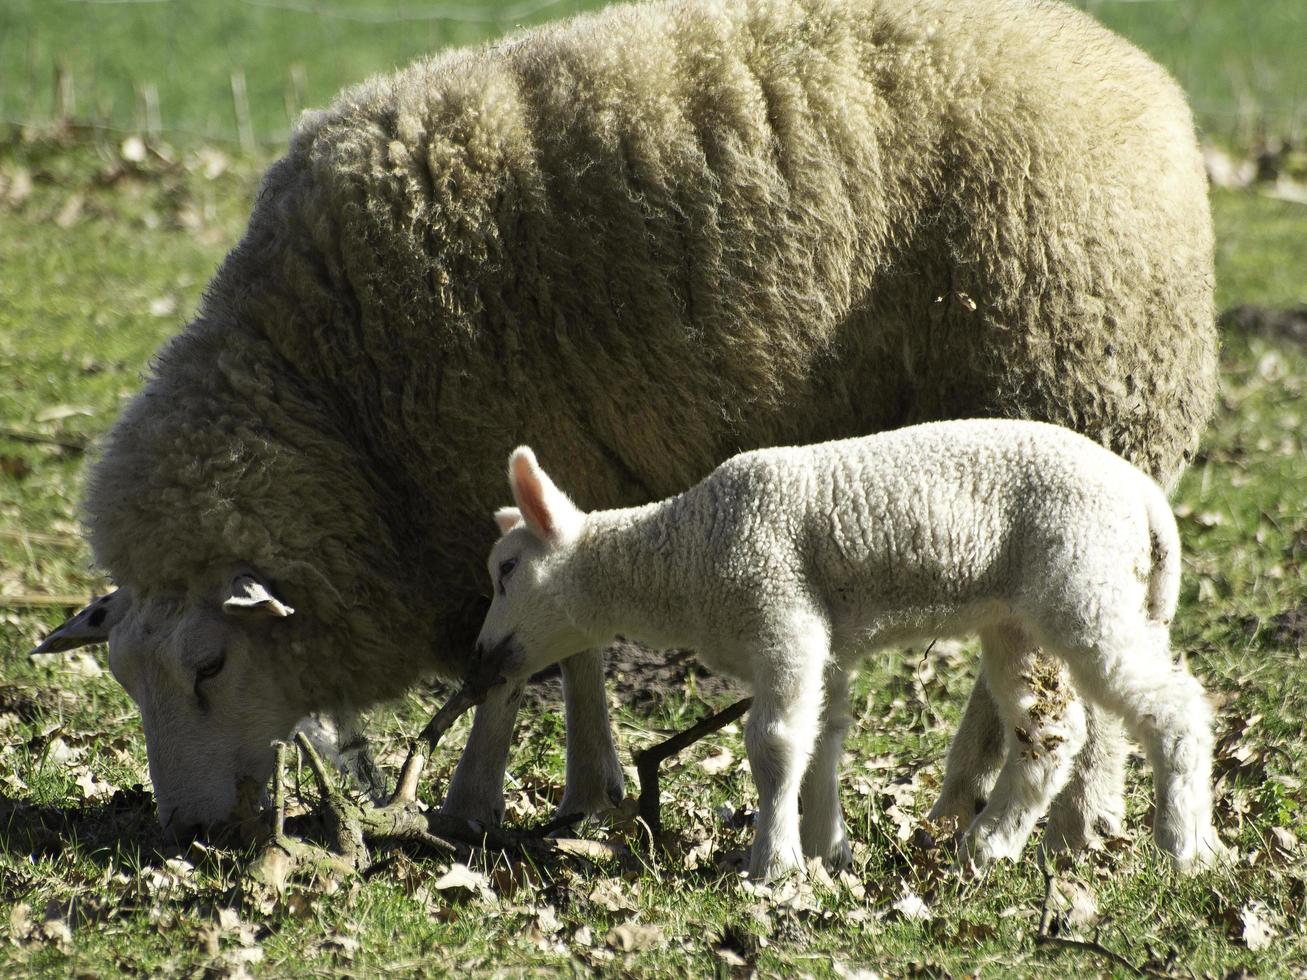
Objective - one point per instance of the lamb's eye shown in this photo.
(505, 570)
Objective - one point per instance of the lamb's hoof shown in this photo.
(1072, 828)
(1200, 854)
(978, 852)
(960, 810)
(779, 864)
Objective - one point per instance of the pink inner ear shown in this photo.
(530, 496)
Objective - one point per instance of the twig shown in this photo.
(31, 600)
(648, 760)
(41, 439)
(1045, 937)
(38, 537)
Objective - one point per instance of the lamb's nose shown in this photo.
(179, 832)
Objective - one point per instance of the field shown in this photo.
(106, 241)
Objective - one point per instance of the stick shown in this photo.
(38, 537)
(41, 439)
(485, 674)
(31, 600)
(648, 760)
(1045, 937)
(279, 792)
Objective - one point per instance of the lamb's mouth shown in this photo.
(499, 661)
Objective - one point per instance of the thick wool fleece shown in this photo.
(643, 240)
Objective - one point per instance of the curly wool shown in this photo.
(643, 240)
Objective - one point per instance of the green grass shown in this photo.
(99, 262)
(1240, 60)
(76, 330)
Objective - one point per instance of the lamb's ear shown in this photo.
(545, 509)
(507, 518)
(91, 625)
(250, 597)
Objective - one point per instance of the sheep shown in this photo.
(783, 567)
(641, 240)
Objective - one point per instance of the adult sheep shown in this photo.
(642, 240)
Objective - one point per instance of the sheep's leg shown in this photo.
(974, 758)
(1164, 707)
(476, 792)
(1045, 728)
(779, 738)
(1092, 804)
(821, 825)
(594, 774)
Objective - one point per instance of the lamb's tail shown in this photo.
(1164, 549)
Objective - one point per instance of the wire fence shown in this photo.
(241, 72)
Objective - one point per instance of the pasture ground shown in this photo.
(105, 245)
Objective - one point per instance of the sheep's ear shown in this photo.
(91, 625)
(507, 518)
(250, 597)
(545, 509)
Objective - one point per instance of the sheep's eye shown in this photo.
(211, 669)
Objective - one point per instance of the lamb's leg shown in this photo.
(594, 775)
(1045, 728)
(821, 825)
(1092, 804)
(779, 738)
(1164, 707)
(974, 759)
(477, 790)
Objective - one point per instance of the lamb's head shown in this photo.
(209, 700)
(529, 621)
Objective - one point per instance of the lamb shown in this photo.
(783, 567)
(641, 240)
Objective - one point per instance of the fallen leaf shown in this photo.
(911, 907)
(461, 878)
(718, 763)
(57, 412)
(629, 937)
(1257, 932)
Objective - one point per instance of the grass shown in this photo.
(1239, 59)
(100, 258)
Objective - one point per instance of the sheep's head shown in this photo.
(528, 621)
(210, 703)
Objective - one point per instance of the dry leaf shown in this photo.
(629, 937)
(718, 763)
(911, 907)
(1257, 932)
(461, 878)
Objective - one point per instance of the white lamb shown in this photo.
(785, 566)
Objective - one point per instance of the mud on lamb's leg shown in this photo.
(779, 738)
(476, 791)
(821, 825)
(595, 782)
(1045, 726)
(1165, 709)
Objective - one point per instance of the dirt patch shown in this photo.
(1289, 628)
(641, 676)
(1278, 324)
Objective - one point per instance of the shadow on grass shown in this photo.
(94, 831)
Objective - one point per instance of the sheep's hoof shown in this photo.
(977, 852)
